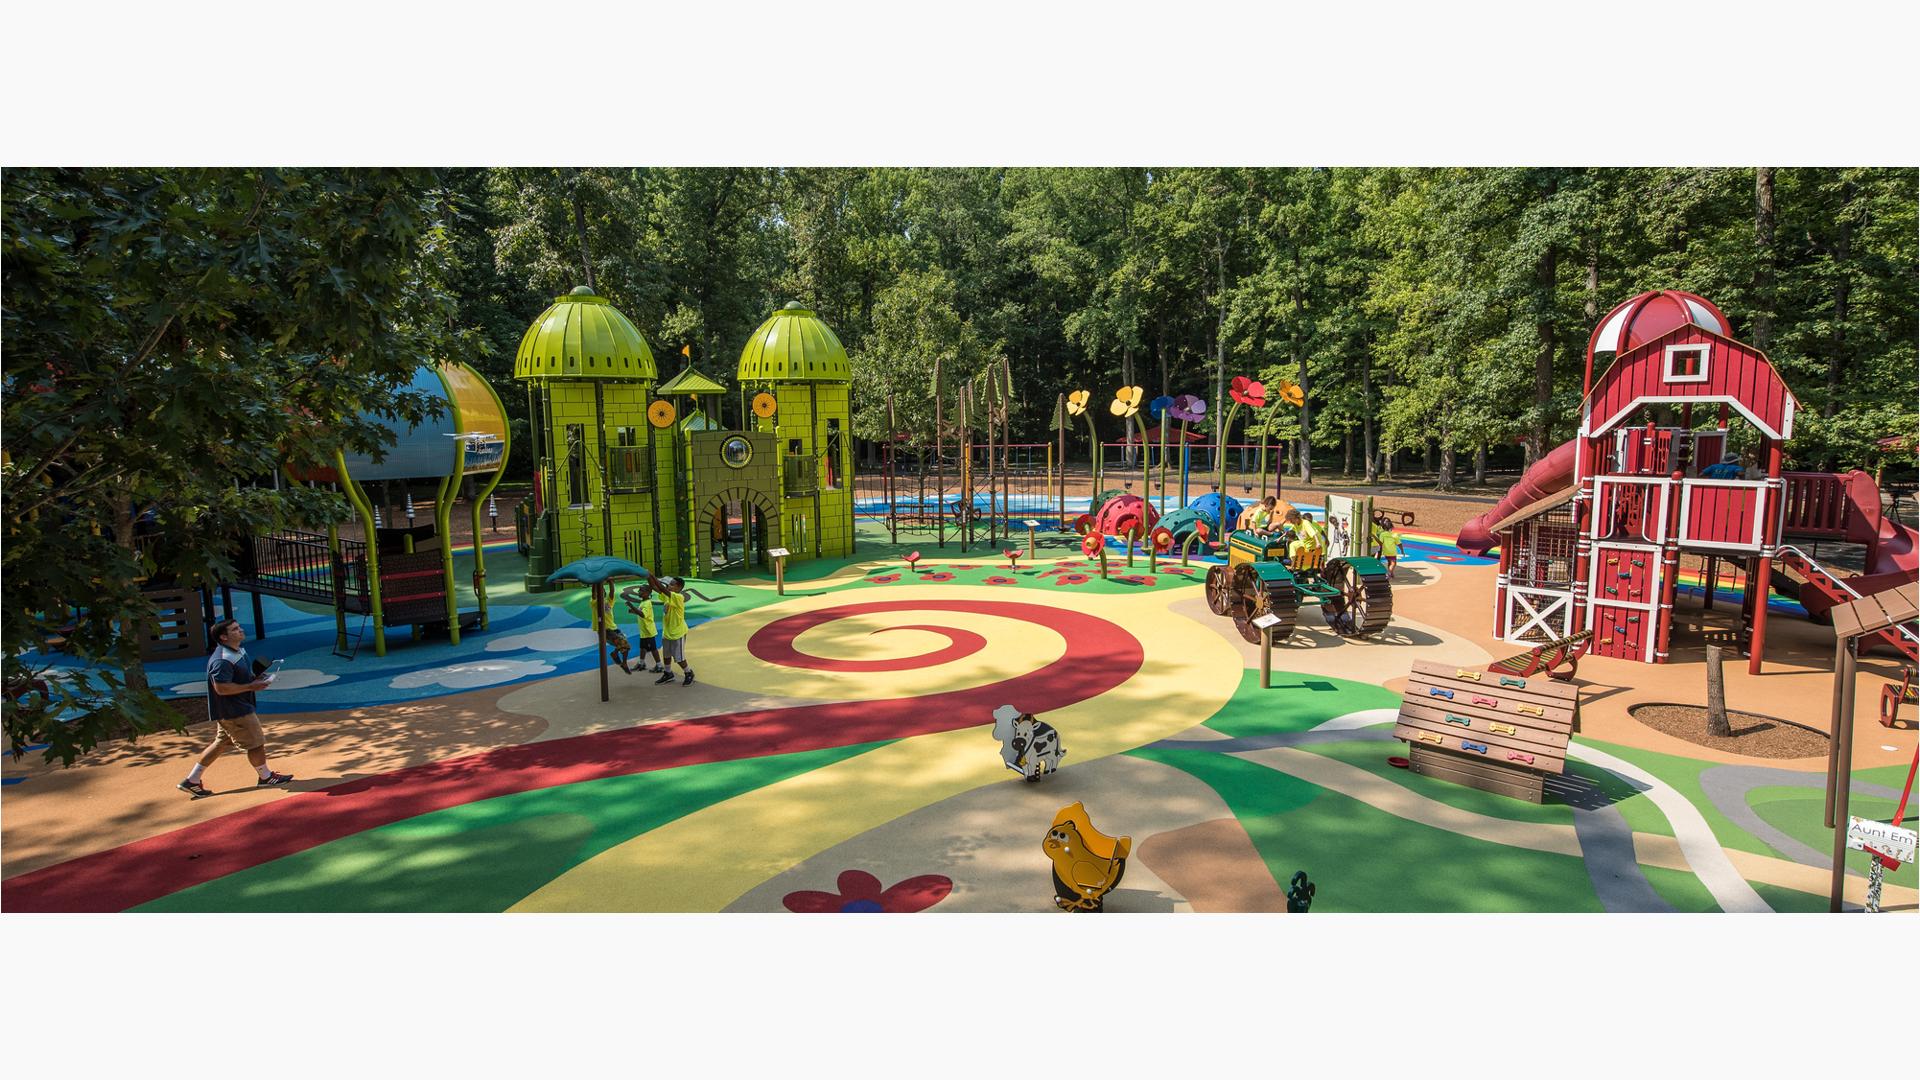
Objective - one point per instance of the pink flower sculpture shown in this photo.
(861, 892)
(1247, 392)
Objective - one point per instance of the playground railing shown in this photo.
(301, 566)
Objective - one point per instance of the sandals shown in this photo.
(274, 779)
(194, 788)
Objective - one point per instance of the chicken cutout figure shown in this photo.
(1087, 863)
(1030, 747)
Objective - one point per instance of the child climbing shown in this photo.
(1389, 542)
(617, 645)
(673, 595)
(639, 600)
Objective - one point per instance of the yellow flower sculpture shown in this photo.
(1126, 401)
(1291, 393)
(1077, 402)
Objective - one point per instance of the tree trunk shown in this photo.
(1716, 696)
(1368, 445)
(1543, 361)
(1763, 261)
(1426, 456)
(1445, 483)
(1346, 452)
(580, 230)
(131, 629)
(1480, 464)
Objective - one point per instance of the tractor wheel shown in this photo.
(1364, 604)
(1219, 592)
(1253, 598)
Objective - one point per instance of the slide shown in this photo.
(1548, 477)
(1890, 564)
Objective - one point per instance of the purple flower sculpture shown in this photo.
(1187, 409)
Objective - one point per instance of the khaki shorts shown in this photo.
(242, 732)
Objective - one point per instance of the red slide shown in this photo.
(1549, 477)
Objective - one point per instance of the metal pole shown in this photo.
(1266, 657)
(893, 505)
(1060, 414)
(1842, 776)
(1833, 727)
(939, 467)
(1763, 572)
(601, 622)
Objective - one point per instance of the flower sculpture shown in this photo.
(1077, 406)
(1188, 410)
(1126, 406)
(1157, 409)
(912, 558)
(1197, 536)
(1126, 402)
(1013, 559)
(1291, 393)
(1095, 544)
(861, 892)
(1243, 391)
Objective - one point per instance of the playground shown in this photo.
(840, 750)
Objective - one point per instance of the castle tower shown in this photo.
(599, 485)
(797, 358)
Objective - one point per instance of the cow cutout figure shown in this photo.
(1030, 747)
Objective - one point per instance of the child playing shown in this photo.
(674, 648)
(639, 600)
(617, 644)
(1389, 542)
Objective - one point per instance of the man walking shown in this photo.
(231, 685)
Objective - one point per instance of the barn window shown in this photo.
(1687, 363)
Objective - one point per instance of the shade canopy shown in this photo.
(595, 569)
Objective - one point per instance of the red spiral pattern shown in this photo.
(1099, 656)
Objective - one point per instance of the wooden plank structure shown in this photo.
(1851, 622)
(1487, 729)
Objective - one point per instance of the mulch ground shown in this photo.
(1753, 734)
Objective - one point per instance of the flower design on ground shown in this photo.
(936, 575)
(1247, 392)
(885, 579)
(1136, 579)
(861, 892)
(964, 566)
(1072, 579)
(1001, 579)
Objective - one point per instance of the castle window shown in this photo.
(833, 454)
(577, 465)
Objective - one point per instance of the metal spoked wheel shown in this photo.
(1219, 592)
(1253, 598)
(1364, 605)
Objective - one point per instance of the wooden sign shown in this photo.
(778, 553)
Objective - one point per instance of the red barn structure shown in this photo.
(1591, 538)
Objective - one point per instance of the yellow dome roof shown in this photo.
(794, 346)
(582, 336)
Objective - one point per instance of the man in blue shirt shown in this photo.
(1728, 469)
(231, 684)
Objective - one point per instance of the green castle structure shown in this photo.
(646, 473)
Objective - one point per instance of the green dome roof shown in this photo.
(582, 336)
(794, 346)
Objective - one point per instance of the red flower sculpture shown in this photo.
(861, 892)
(1162, 538)
(1092, 543)
(911, 559)
(1247, 392)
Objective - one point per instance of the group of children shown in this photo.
(1307, 538)
(672, 647)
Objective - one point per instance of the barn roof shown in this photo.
(1691, 364)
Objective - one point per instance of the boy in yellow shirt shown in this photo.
(639, 600)
(673, 594)
(617, 644)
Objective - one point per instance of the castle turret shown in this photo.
(797, 358)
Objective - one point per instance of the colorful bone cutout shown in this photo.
(1471, 676)
(1476, 747)
(1524, 759)
(1461, 720)
(1428, 736)
(1507, 681)
(1435, 691)
(1491, 703)
(1531, 710)
(1503, 729)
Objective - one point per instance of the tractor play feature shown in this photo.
(1256, 580)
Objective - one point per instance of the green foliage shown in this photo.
(173, 338)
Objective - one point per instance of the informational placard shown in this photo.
(1031, 524)
(1349, 526)
(1890, 840)
(778, 553)
(1265, 621)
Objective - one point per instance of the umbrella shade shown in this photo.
(595, 569)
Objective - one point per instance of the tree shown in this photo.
(171, 335)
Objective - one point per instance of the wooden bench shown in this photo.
(1486, 729)
(1545, 658)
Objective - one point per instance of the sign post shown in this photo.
(1266, 623)
(1888, 844)
(779, 557)
(1031, 526)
